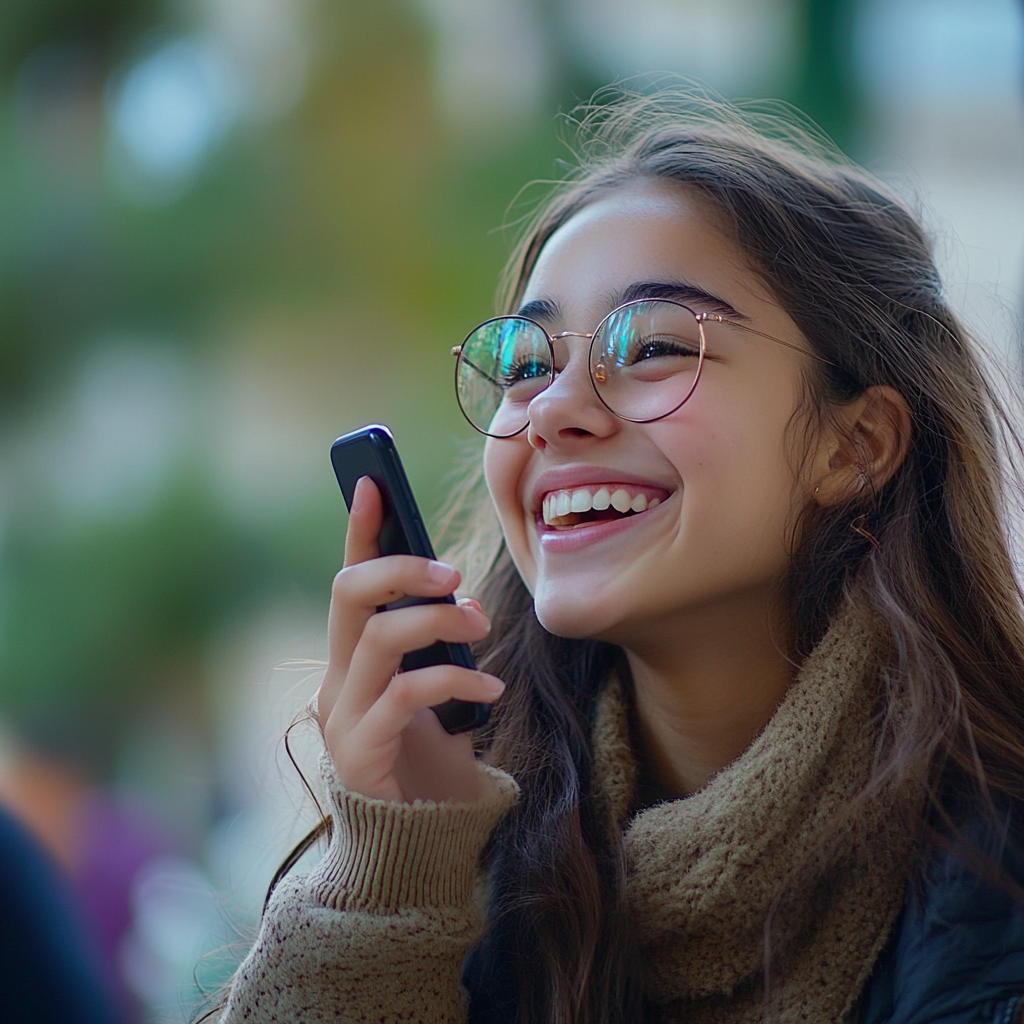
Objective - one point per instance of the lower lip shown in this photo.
(560, 541)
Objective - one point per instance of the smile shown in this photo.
(568, 509)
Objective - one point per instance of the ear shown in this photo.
(868, 443)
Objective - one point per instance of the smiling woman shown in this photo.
(761, 745)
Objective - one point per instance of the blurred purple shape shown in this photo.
(118, 838)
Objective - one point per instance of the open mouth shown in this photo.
(582, 506)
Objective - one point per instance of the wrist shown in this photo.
(385, 855)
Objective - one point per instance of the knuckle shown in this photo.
(378, 580)
(402, 690)
(342, 581)
(376, 629)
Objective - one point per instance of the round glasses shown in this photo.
(645, 360)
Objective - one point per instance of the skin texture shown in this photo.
(687, 589)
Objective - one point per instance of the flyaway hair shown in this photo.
(925, 557)
(928, 551)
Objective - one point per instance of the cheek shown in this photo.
(738, 480)
(505, 462)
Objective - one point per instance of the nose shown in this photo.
(568, 410)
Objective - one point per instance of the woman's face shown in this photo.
(721, 466)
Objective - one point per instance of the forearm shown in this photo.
(310, 963)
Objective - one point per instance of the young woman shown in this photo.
(760, 753)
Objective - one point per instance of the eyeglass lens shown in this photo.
(645, 360)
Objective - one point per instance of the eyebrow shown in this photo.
(544, 310)
(548, 311)
(678, 291)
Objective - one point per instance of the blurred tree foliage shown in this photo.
(342, 248)
(28, 25)
(359, 206)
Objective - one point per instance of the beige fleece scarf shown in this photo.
(706, 874)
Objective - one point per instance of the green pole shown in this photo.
(826, 86)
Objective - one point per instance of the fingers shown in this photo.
(364, 521)
(361, 589)
(410, 692)
(379, 581)
(365, 752)
(364, 704)
(386, 639)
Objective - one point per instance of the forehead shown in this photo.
(647, 231)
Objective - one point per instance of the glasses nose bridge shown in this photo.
(570, 334)
(561, 336)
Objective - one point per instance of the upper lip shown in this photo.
(581, 474)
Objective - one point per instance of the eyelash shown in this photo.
(665, 347)
(514, 375)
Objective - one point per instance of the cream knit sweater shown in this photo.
(380, 929)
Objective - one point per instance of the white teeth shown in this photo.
(621, 500)
(580, 501)
(557, 504)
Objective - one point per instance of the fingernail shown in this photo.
(493, 684)
(470, 602)
(477, 613)
(441, 572)
(357, 495)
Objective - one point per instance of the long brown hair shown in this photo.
(853, 269)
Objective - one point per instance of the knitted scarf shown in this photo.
(775, 846)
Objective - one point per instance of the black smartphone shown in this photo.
(370, 451)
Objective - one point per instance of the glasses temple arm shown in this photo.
(715, 318)
(462, 355)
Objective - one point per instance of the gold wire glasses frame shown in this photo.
(599, 371)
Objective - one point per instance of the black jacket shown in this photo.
(957, 953)
(48, 972)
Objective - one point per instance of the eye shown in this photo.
(522, 369)
(653, 346)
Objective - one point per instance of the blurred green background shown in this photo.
(231, 230)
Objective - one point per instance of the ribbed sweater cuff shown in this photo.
(384, 856)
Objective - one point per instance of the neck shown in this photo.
(705, 685)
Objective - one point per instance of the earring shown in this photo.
(857, 525)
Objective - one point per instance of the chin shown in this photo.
(571, 619)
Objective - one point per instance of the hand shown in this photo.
(380, 731)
